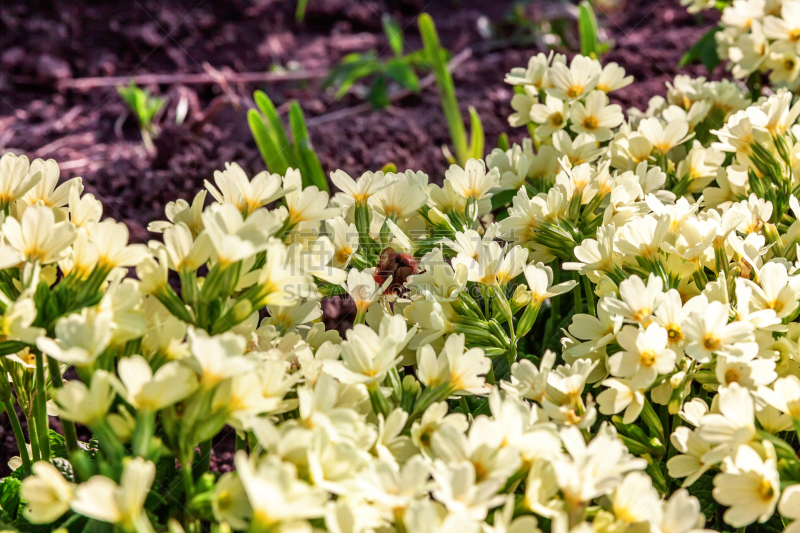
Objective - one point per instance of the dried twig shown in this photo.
(84, 84)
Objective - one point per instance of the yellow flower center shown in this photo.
(343, 254)
(224, 501)
(732, 376)
(711, 342)
(641, 314)
(557, 120)
(794, 35)
(765, 490)
(590, 123)
(788, 64)
(481, 472)
(675, 333)
(575, 91)
(647, 358)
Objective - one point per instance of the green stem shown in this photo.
(241, 444)
(204, 463)
(70, 435)
(33, 438)
(40, 409)
(587, 288)
(18, 435)
(577, 291)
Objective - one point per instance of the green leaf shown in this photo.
(350, 69)
(96, 526)
(444, 82)
(503, 198)
(701, 489)
(377, 93)
(143, 105)
(310, 167)
(58, 446)
(400, 71)
(476, 134)
(276, 131)
(394, 34)
(9, 496)
(9, 347)
(587, 27)
(704, 50)
(300, 12)
(273, 159)
(502, 142)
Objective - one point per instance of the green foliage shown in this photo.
(278, 152)
(142, 104)
(359, 66)
(587, 27)
(435, 56)
(704, 51)
(300, 11)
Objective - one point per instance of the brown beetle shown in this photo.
(399, 266)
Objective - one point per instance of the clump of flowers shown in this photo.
(593, 331)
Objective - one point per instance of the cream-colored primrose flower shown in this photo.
(113, 250)
(402, 196)
(37, 237)
(551, 116)
(464, 371)
(276, 494)
(645, 355)
(784, 30)
(47, 191)
(363, 289)
(246, 195)
(345, 240)
(522, 103)
(144, 389)
(218, 357)
(80, 338)
(472, 181)
(573, 82)
(232, 237)
(540, 283)
(102, 499)
(638, 302)
(84, 210)
(305, 204)
(596, 117)
(46, 493)
(368, 355)
(86, 405)
(15, 178)
(750, 486)
(360, 190)
(16, 321)
(613, 78)
(664, 138)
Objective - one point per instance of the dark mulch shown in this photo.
(42, 42)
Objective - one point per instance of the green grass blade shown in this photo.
(444, 81)
(310, 166)
(587, 27)
(394, 34)
(502, 142)
(273, 158)
(300, 12)
(277, 131)
(476, 135)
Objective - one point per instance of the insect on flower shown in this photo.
(399, 266)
